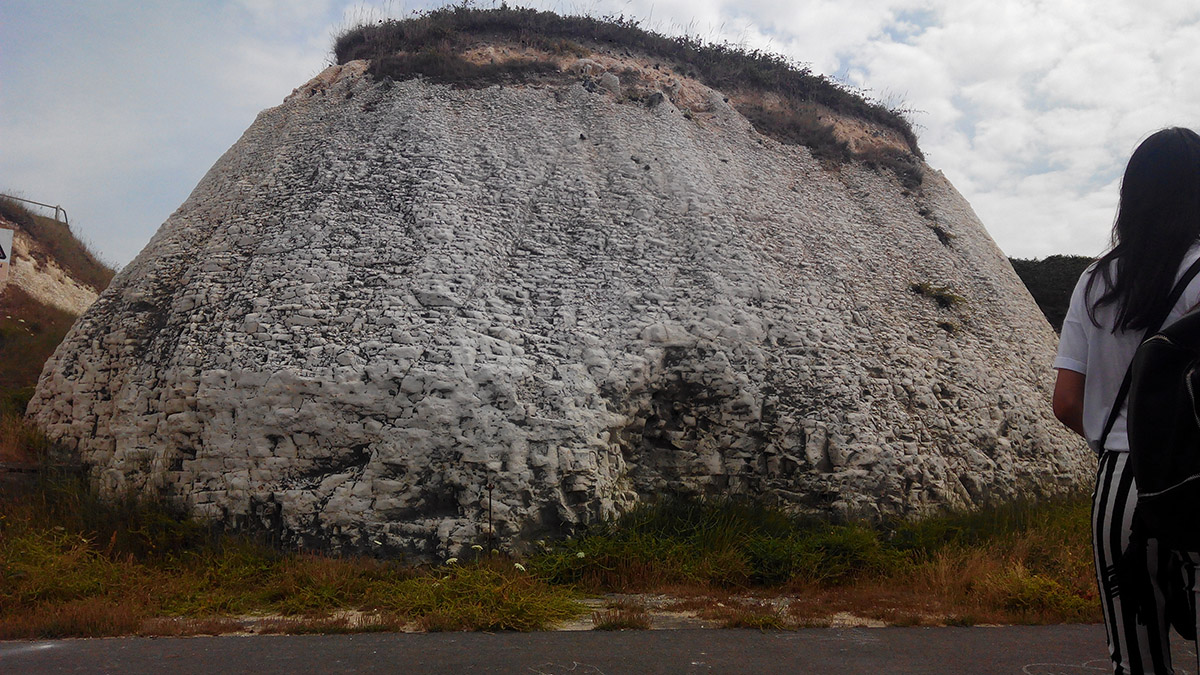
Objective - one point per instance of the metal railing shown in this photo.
(56, 207)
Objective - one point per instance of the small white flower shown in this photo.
(579, 555)
(451, 561)
(519, 566)
(477, 547)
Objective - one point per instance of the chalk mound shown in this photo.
(407, 317)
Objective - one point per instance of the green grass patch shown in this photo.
(1020, 562)
(718, 543)
(486, 595)
(943, 296)
(1064, 520)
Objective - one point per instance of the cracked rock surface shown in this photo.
(388, 302)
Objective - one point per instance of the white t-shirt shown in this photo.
(1104, 356)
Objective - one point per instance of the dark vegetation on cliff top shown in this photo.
(430, 44)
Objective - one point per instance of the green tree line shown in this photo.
(1050, 281)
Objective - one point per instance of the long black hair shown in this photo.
(1158, 219)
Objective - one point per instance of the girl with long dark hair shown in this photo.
(1155, 238)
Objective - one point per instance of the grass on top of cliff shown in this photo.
(431, 43)
(73, 565)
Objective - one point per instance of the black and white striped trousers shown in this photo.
(1137, 644)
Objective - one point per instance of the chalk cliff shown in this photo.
(404, 317)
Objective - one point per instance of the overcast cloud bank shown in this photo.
(1030, 108)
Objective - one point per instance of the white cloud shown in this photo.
(1030, 107)
(1050, 98)
(267, 13)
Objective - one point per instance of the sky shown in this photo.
(116, 109)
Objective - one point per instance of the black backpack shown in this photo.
(1163, 420)
(1164, 433)
(1163, 423)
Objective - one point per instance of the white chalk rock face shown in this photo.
(401, 318)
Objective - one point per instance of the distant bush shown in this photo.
(407, 48)
(1050, 281)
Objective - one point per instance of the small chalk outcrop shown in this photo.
(34, 270)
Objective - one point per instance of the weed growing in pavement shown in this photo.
(624, 614)
(760, 615)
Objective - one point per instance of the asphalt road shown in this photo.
(1011, 650)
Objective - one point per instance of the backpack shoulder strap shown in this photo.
(1123, 392)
